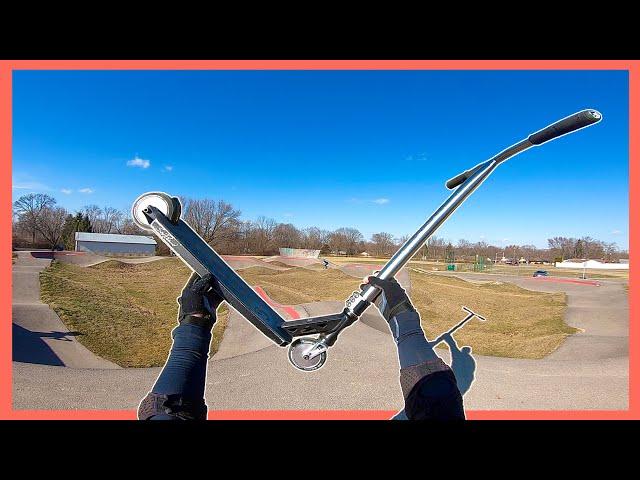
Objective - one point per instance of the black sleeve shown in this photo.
(435, 397)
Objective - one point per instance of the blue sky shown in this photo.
(368, 149)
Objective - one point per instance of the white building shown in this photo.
(116, 245)
(595, 264)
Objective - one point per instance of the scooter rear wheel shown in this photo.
(169, 206)
(297, 351)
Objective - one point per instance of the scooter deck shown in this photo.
(202, 259)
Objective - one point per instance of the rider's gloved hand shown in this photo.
(392, 300)
(179, 390)
(199, 300)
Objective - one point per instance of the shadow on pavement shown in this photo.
(42, 254)
(28, 346)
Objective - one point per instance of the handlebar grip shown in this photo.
(566, 125)
(460, 178)
(455, 181)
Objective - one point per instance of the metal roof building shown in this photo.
(114, 244)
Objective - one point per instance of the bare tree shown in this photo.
(382, 244)
(434, 249)
(214, 220)
(29, 207)
(337, 242)
(262, 235)
(128, 227)
(50, 224)
(346, 239)
(93, 213)
(110, 219)
(286, 235)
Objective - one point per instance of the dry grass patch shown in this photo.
(521, 323)
(124, 312)
(301, 285)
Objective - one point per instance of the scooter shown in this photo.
(160, 213)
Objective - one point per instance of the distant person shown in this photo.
(428, 384)
(325, 263)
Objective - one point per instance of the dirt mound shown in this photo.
(238, 262)
(292, 261)
(260, 270)
(279, 264)
(78, 258)
(362, 270)
(113, 265)
(315, 266)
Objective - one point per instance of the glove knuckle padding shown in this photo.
(393, 299)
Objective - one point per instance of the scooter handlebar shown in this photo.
(459, 179)
(566, 125)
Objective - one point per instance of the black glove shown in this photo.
(199, 300)
(393, 299)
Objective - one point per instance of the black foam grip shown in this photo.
(461, 178)
(566, 125)
(457, 180)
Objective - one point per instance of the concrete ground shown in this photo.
(39, 336)
(589, 371)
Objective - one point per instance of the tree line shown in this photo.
(39, 222)
(558, 249)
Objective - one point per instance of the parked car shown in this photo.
(540, 273)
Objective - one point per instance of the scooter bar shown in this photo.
(566, 125)
(561, 127)
(192, 249)
(467, 182)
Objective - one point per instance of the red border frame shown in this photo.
(7, 67)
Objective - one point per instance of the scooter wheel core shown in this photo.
(169, 206)
(297, 352)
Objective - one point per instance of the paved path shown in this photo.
(39, 336)
(589, 371)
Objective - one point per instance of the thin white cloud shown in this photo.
(29, 186)
(139, 162)
(616, 232)
(66, 191)
(167, 168)
(86, 190)
(381, 201)
(418, 157)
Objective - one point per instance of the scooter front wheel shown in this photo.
(299, 349)
(169, 206)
